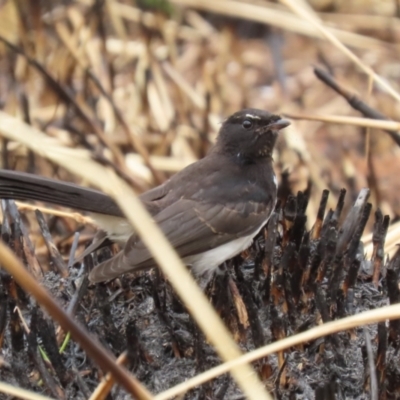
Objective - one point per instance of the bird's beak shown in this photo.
(278, 125)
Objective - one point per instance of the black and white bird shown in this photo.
(210, 211)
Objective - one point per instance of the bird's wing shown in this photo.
(192, 228)
(153, 199)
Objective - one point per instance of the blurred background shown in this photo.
(144, 85)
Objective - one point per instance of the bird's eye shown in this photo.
(247, 124)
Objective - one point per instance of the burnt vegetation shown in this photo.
(291, 279)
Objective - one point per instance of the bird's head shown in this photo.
(250, 134)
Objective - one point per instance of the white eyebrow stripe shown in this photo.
(252, 116)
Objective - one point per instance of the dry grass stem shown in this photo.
(356, 121)
(21, 393)
(301, 11)
(279, 19)
(365, 318)
(79, 218)
(105, 386)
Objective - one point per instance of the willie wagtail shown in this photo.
(210, 211)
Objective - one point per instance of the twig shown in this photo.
(79, 218)
(356, 103)
(72, 252)
(54, 253)
(346, 120)
(306, 15)
(49, 381)
(105, 386)
(371, 366)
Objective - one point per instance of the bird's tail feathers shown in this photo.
(22, 186)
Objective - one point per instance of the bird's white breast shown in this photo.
(210, 259)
